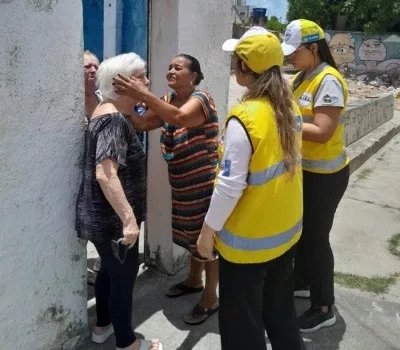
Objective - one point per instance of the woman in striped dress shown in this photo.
(189, 143)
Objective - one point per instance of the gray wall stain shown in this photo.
(42, 5)
(9, 77)
(55, 313)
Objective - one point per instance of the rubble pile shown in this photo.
(361, 87)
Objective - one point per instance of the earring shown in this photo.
(191, 83)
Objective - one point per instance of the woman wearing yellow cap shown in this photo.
(255, 214)
(321, 93)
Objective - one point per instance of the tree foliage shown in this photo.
(273, 23)
(314, 10)
(375, 16)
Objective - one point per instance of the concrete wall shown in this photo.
(43, 266)
(365, 115)
(360, 53)
(197, 28)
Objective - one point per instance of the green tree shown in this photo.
(375, 16)
(273, 23)
(314, 10)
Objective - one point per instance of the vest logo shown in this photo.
(305, 100)
(299, 123)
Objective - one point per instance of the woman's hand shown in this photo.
(130, 86)
(131, 233)
(205, 242)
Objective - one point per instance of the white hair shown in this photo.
(126, 64)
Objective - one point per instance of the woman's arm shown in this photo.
(231, 182)
(326, 120)
(328, 104)
(107, 177)
(191, 114)
(146, 122)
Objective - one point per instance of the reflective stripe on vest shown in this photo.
(252, 244)
(325, 164)
(263, 176)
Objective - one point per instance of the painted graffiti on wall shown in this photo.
(359, 53)
(342, 49)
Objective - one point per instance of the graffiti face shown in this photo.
(343, 53)
(342, 49)
(372, 50)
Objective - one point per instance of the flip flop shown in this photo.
(199, 314)
(180, 289)
(146, 345)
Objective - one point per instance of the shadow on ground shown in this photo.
(325, 338)
(152, 309)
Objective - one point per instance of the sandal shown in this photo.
(199, 314)
(146, 345)
(180, 289)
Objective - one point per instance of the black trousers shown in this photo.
(113, 288)
(255, 298)
(314, 262)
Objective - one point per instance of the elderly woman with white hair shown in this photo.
(111, 203)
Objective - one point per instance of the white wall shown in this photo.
(110, 28)
(42, 265)
(197, 28)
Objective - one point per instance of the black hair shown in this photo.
(325, 53)
(194, 67)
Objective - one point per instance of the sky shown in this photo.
(276, 8)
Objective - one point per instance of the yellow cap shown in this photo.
(258, 48)
(300, 31)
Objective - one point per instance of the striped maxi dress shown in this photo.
(192, 158)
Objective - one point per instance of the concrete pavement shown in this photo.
(368, 217)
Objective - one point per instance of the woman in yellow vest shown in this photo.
(255, 214)
(321, 93)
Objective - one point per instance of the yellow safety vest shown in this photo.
(327, 157)
(267, 220)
